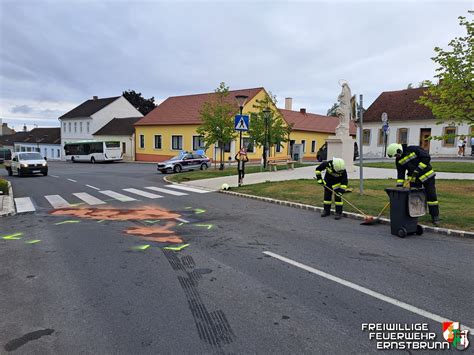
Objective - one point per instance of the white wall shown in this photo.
(437, 148)
(50, 151)
(129, 144)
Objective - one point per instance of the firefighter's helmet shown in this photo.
(338, 164)
(393, 149)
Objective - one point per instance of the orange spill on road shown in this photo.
(156, 233)
(112, 214)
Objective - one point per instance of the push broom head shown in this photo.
(369, 220)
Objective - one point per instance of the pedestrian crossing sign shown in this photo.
(241, 123)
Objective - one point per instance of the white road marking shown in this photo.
(89, 199)
(54, 176)
(142, 193)
(365, 290)
(72, 180)
(117, 196)
(93, 187)
(24, 204)
(182, 220)
(187, 188)
(57, 201)
(166, 191)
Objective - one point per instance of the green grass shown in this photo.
(212, 173)
(455, 198)
(448, 167)
(4, 186)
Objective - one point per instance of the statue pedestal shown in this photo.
(342, 147)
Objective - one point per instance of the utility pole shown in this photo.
(361, 152)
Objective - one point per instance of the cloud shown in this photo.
(21, 109)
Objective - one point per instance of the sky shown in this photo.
(56, 54)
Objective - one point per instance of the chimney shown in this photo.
(303, 110)
(288, 103)
(95, 97)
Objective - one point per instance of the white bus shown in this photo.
(93, 151)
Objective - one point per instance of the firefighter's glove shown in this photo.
(320, 181)
(415, 174)
(339, 191)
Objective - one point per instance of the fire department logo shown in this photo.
(453, 334)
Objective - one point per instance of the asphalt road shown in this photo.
(85, 288)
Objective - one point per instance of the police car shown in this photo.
(184, 161)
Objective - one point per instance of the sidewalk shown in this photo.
(307, 172)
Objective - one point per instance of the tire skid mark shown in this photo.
(212, 327)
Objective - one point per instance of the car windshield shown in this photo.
(178, 157)
(31, 156)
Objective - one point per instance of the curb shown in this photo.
(196, 187)
(9, 209)
(445, 231)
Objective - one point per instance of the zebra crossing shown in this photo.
(26, 204)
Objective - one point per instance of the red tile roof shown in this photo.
(177, 110)
(399, 105)
(313, 122)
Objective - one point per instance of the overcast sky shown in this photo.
(56, 54)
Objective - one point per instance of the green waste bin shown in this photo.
(406, 205)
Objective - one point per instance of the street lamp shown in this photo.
(266, 116)
(241, 99)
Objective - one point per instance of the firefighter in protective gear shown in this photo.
(416, 163)
(335, 178)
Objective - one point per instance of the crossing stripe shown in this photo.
(142, 193)
(89, 199)
(187, 188)
(117, 196)
(57, 201)
(166, 191)
(24, 204)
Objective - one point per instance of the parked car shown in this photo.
(322, 153)
(26, 163)
(183, 162)
(5, 154)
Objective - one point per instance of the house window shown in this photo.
(177, 142)
(198, 142)
(303, 142)
(158, 141)
(366, 137)
(88, 126)
(278, 148)
(227, 147)
(380, 140)
(403, 136)
(247, 143)
(64, 127)
(142, 141)
(313, 146)
(80, 127)
(69, 125)
(449, 141)
(75, 127)
(57, 153)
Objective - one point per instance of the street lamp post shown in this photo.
(266, 116)
(241, 99)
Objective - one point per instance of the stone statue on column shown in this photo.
(341, 145)
(343, 111)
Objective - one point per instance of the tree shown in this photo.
(452, 98)
(217, 121)
(141, 104)
(332, 110)
(410, 86)
(275, 132)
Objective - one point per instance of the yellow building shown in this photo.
(171, 128)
